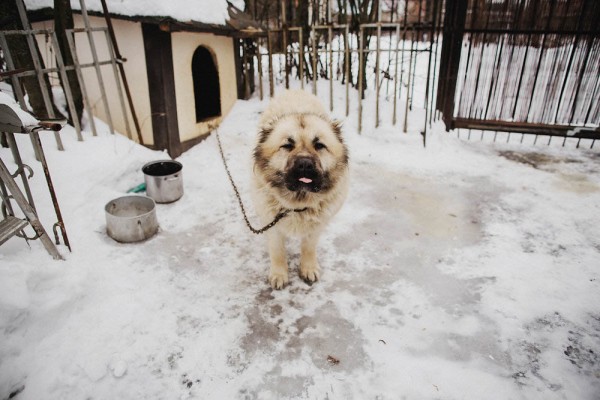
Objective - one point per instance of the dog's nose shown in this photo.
(305, 164)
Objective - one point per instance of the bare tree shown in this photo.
(362, 12)
(304, 14)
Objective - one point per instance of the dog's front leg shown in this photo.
(278, 276)
(309, 266)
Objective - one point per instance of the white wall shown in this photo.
(184, 45)
(131, 45)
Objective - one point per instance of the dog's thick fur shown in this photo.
(300, 161)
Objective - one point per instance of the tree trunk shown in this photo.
(22, 59)
(63, 19)
(363, 11)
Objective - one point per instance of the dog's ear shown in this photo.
(265, 132)
(336, 125)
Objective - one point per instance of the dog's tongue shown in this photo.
(305, 180)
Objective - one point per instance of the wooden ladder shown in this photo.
(11, 225)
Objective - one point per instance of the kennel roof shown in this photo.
(215, 16)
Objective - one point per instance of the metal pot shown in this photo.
(164, 180)
(131, 218)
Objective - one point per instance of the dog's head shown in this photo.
(301, 153)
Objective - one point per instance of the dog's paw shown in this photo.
(310, 273)
(278, 280)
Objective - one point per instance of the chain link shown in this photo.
(283, 213)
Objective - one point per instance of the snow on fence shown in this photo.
(527, 66)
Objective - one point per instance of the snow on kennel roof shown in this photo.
(212, 12)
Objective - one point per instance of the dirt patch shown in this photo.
(535, 159)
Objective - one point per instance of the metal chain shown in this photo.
(284, 212)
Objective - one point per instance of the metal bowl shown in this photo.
(131, 218)
(164, 180)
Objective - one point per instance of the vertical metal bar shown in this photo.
(284, 32)
(389, 51)
(570, 62)
(552, 76)
(330, 40)
(429, 71)
(594, 96)
(497, 64)
(410, 72)
(534, 15)
(285, 57)
(577, 90)
(537, 70)
(260, 71)
(396, 73)
(472, 106)
(413, 54)
(495, 73)
(435, 59)
(86, 100)
(468, 62)
(51, 190)
(360, 76)
(510, 57)
(347, 67)
(405, 25)
(67, 86)
(118, 82)
(416, 43)
(314, 61)
(86, 22)
(402, 61)
(246, 66)
(590, 81)
(454, 28)
(377, 73)
(270, 50)
(301, 56)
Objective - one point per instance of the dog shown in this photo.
(301, 164)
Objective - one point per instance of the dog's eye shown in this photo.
(288, 146)
(320, 146)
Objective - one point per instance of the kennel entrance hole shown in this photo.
(207, 92)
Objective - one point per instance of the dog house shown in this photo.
(184, 76)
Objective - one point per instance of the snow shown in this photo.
(206, 11)
(463, 270)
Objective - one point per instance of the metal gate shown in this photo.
(527, 66)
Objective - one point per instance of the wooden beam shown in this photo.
(161, 84)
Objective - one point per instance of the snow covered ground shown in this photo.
(464, 270)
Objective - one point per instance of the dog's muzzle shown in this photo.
(303, 174)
